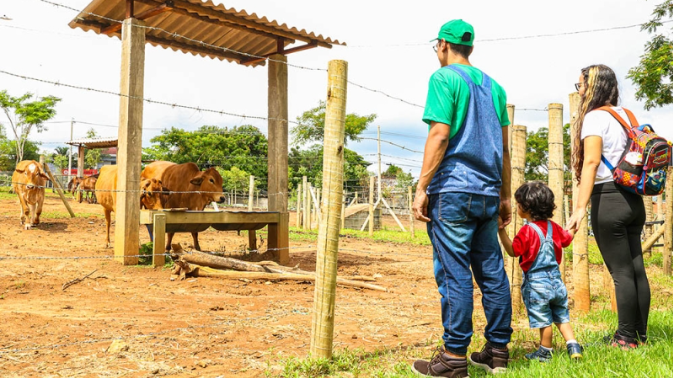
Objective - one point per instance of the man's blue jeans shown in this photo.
(464, 233)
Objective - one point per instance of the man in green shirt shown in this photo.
(463, 192)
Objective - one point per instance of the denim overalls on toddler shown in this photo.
(543, 291)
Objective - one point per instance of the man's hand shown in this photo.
(505, 213)
(420, 206)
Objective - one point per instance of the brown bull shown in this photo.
(106, 186)
(28, 182)
(86, 186)
(184, 178)
(73, 184)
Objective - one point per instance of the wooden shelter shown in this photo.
(87, 144)
(209, 30)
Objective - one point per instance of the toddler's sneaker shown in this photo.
(541, 355)
(574, 351)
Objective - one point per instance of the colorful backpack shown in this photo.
(643, 166)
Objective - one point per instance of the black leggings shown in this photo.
(617, 219)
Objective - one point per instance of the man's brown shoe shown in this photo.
(490, 359)
(441, 365)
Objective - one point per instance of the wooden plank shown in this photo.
(159, 231)
(80, 161)
(220, 53)
(307, 46)
(173, 217)
(140, 16)
(59, 190)
(130, 141)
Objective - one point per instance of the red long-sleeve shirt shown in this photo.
(526, 243)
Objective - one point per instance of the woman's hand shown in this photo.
(575, 220)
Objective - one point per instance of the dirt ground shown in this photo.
(205, 327)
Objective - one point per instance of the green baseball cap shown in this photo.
(457, 32)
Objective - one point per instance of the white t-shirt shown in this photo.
(603, 124)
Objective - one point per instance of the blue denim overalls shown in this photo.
(543, 291)
(463, 205)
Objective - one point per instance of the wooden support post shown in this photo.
(299, 195)
(251, 192)
(252, 240)
(411, 214)
(322, 326)
(311, 205)
(307, 206)
(582, 293)
(318, 207)
(159, 243)
(555, 167)
(518, 170)
(58, 187)
(510, 115)
(566, 210)
(355, 200)
(649, 217)
(80, 160)
(278, 149)
(660, 213)
(510, 261)
(371, 206)
(127, 216)
(668, 224)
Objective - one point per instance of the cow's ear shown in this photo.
(44, 176)
(198, 180)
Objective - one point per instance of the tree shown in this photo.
(393, 171)
(308, 163)
(537, 154)
(25, 115)
(244, 147)
(653, 76)
(311, 127)
(8, 151)
(60, 157)
(235, 179)
(91, 156)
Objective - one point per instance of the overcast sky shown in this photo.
(388, 50)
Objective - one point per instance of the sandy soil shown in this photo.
(198, 327)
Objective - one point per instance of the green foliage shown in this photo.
(235, 179)
(653, 76)
(241, 146)
(537, 154)
(309, 162)
(60, 157)
(24, 115)
(91, 156)
(311, 127)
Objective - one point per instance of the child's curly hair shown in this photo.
(537, 199)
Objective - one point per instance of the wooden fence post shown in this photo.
(322, 329)
(509, 261)
(556, 167)
(305, 203)
(299, 195)
(311, 205)
(411, 215)
(251, 192)
(518, 170)
(371, 206)
(582, 292)
(649, 217)
(668, 232)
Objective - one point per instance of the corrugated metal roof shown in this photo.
(94, 142)
(210, 30)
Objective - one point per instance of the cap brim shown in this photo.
(432, 40)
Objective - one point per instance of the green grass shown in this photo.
(653, 360)
(385, 235)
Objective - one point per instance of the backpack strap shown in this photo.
(621, 121)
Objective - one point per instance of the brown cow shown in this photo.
(28, 182)
(72, 185)
(106, 186)
(186, 177)
(86, 187)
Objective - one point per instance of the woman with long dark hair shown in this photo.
(617, 216)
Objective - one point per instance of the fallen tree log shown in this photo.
(653, 239)
(212, 261)
(193, 270)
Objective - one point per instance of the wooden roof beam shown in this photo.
(166, 7)
(241, 22)
(209, 20)
(283, 51)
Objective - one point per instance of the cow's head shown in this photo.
(210, 183)
(151, 193)
(34, 177)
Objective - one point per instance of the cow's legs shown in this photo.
(107, 224)
(38, 211)
(31, 214)
(25, 211)
(195, 236)
(169, 240)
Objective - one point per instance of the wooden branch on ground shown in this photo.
(212, 261)
(653, 239)
(76, 280)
